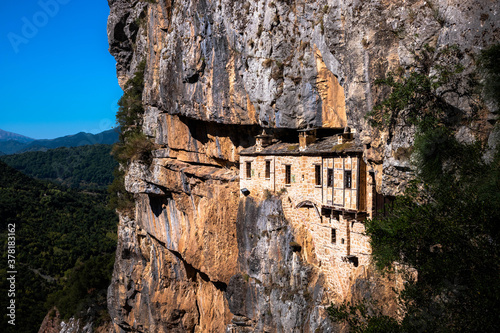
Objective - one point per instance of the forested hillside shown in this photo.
(88, 167)
(64, 249)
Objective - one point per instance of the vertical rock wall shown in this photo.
(196, 257)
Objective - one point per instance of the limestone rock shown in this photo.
(52, 323)
(198, 257)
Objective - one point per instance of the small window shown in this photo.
(288, 174)
(249, 169)
(268, 169)
(317, 174)
(383, 205)
(329, 178)
(347, 179)
(334, 235)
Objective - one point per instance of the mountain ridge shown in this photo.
(7, 136)
(74, 140)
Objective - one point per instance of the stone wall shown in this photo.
(327, 256)
(302, 186)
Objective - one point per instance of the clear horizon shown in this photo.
(58, 76)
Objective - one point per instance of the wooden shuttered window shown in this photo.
(317, 175)
(268, 169)
(249, 169)
(288, 174)
(347, 179)
(329, 177)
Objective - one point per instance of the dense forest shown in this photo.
(65, 241)
(85, 167)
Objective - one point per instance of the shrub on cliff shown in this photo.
(130, 109)
(119, 199)
(420, 96)
(133, 144)
(136, 147)
(489, 68)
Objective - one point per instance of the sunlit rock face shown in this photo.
(198, 256)
(53, 323)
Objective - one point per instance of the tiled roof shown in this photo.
(323, 146)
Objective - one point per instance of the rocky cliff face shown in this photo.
(196, 256)
(52, 323)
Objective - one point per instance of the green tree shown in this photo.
(130, 106)
(489, 68)
(447, 225)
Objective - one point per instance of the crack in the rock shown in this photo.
(199, 316)
(193, 152)
(126, 328)
(194, 163)
(192, 273)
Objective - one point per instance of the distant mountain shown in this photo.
(75, 140)
(7, 136)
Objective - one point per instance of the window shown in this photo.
(249, 169)
(329, 178)
(347, 178)
(268, 169)
(288, 174)
(383, 204)
(334, 235)
(317, 174)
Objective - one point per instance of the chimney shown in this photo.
(306, 137)
(263, 140)
(346, 136)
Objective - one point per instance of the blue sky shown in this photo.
(57, 77)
